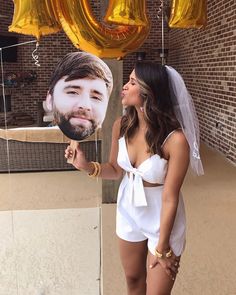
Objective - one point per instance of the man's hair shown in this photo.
(79, 65)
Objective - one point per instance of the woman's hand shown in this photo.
(78, 158)
(170, 264)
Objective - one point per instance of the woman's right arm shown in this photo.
(109, 170)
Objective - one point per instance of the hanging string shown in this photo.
(96, 156)
(19, 44)
(96, 144)
(98, 204)
(35, 56)
(162, 35)
(160, 13)
(5, 111)
(7, 141)
(4, 96)
(7, 144)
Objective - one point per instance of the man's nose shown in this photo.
(84, 102)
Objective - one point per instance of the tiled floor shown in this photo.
(49, 190)
(50, 238)
(50, 234)
(54, 252)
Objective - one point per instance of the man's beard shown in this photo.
(75, 132)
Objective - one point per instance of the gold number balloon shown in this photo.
(100, 39)
(34, 17)
(127, 12)
(188, 14)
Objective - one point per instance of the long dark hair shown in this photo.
(158, 107)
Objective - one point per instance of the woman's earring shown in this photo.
(141, 109)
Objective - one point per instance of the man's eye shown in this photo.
(96, 97)
(71, 92)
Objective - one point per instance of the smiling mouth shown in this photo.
(77, 120)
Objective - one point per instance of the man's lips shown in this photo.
(76, 120)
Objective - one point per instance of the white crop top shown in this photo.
(152, 170)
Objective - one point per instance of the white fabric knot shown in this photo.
(136, 190)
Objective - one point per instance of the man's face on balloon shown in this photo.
(79, 106)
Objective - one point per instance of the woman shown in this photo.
(153, 143)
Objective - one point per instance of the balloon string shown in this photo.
(35, 56)
(161, 11)
(162, 34)
(4, 96)
(5, 111)
(98, 201)
(96, 156)
(18, 44)
(8, 164)
(7, 145)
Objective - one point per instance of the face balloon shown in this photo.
(100, 39)
(79, 93)
(32, 17)
(188, 14)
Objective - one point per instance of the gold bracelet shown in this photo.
(160, 255)
(97, 169)
(169, 253)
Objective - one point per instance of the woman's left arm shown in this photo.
(177, 149)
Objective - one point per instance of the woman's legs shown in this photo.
(133, 258)
(158, 282)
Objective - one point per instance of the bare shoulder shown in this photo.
(177, 141)
(116, 127)
(178, 137)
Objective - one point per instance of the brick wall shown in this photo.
(52, 48)
(207, 60)
(152, 45)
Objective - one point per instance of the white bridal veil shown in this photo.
(186, 115)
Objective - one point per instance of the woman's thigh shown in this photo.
(133, 258)
(158, 282)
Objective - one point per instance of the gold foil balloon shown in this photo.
(100, 39)
(188, 14)
(127, 12)
(34, 17)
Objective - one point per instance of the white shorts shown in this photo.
(135, 224)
